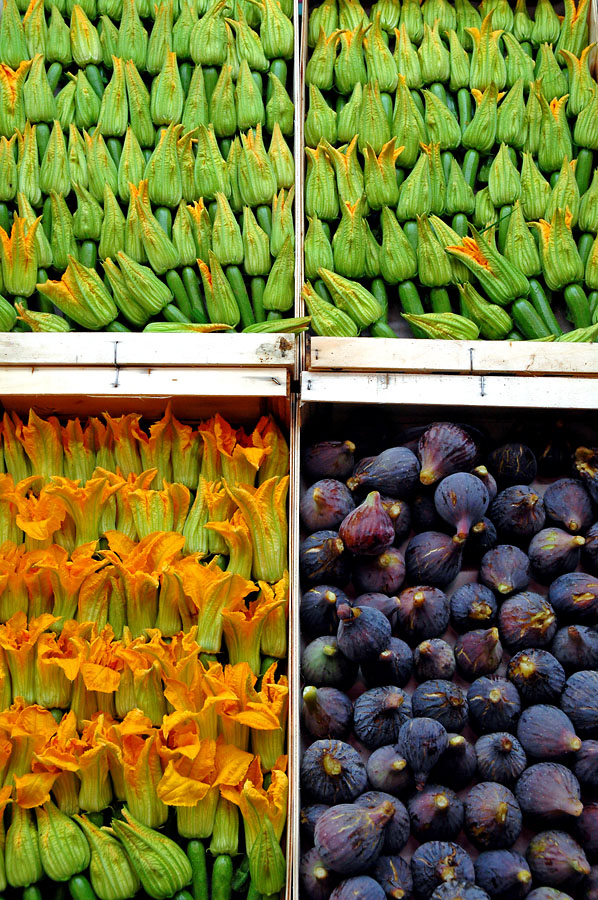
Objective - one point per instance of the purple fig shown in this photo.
(422, 742)
(433, 659)
(445, 448)
(473, 606)
(548, 893)
(436, 814)
(554, 449)
(574, 596)
(556, 860)
(587, 829)
(553, 552)
(457, 765)
(423, 513)
(436, 862)
(325, 665)
(526, 620)
(589, 551)
(442, 700)
(492, 816)
(322, 558)
(538, 676)
(326, 712)
(332, 772)
(585, 765)
(422, 612)
(388, 771)
(461, 500)
(349, 838)
(392, 666)
(362, 887)
(478, 653)
(394, 472)
(518, 512)
(384, 573)
(308, 817)
(579, 701)
(325, 504)
(586, 464)
(503, 874)
(567, 503)
(368, 530)
(400, 514)
(590, 887)
(317, 612)
(513, 464)
(393, 874)
(547, 792)
(362, 633)
(459, 890)
(500, 757)
(317, 881)
(388, 606)
(433, 558)
(505, 569)
(576, 647)
(329, 459)
(494, 704)
(488, 480)
(379, 714)
(482, 538)
(396, 832)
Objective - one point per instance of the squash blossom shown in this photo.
(274, 635)
(28, 729)
(66, 577)
(268, 744)
(214, 592)
(243, 629)
(500, 279)
(18, 639)
(39, 515)
(8, 511)
(237, 538)
(240, 708)
(19, 256)
(154, 510)
(264, 510)
(561, 262)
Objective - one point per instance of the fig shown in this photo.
(392, 666)
(492, 816)
(556, 860)
(368, 530)
(459, 890)
(482, 538)
(384, 573)
(436, 814)
(378, 715)
(435, 862)
(317, 881)
(505, 569)
(362, 887)
(548, 893)
(526, 620)
(513, 464)
(554, 450)
(457, 765)
(325, 665)
(545, 732)
(589, 551)
(400, 514)
(488, 480)
(326, 712)
(472, 606)
(576, 647)
(332, 771)
(587, 829)
(585, 764)
(574, 596)
(394, 472)
(500, 757)
(443, 701)
(322, 558)
(388, 771)
(433, 558)
(329, 459)
(586, 464)
(590, 887)
(423, 513)
(579, 701)
(548, 791)
(552, 552)
(461, 500)
(317, 612)
(349, 838)
(538, 676)
(422, 612)
(308, 817)
(396, 831)
(325, 504)
(445, 448)
(388, 606)
(494, 704)
(421, 742)
(433, 659)
(503, 874)
(393, 874)
(478, 653)
(362, 633)
(568, 504)
(518, 512)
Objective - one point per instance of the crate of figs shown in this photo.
(450, 668)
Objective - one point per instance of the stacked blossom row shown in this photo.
(140, 668)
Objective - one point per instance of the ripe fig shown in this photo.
(362, 887)
(494, 704)
(567, 503)
(548, 791)
(317, 881)
(322, 558)
(396, 831)
(422, 612)
(423, 513)
(435, 862)
(384, 573)
(482, 538)
(579, 701)
(436, 814)
(513, 464)
(388, 771)
(488, 480)
(538, 676)
(394, 472)
(308, 817)
(368, 530)
(478, 653)
(589, 551)
(326, 712)
(585, 765)
(526, 620)
(552, 552)
(576, 647)
(317, 612)
(586, 463)
(422, 742)
(500, 757)
(329, 459)
(349, 838)
(433, 558)
(459, 890)
(332, 772)
(492, 816)
(393, 874)
(433, 659)
(574, 597)
(443, 701)
(587, 829)
(472, 606)
(545, 732)
(378, 715)
(388, 606)
(445, 448)
(590, 886)
(461, 500)
(362, 633)
(325, 504)
(325, 665)
(548, 893)
(457, 765)
(554, 449)
(505, 569)
(556, 860)
(503, 874)
(518, 512)
(392, 666)
(400, 514)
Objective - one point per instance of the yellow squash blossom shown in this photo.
(95, 792)
(98, 679)
(164, 510)
(59, 659)
(220, 508)
(125, 432)
(102, 440)
(196, 536)
(40, 515)
(57, 757)
(141, 683)
(18, 640)
(264, 510)
(268, 434)
(237, 537)
(14, 456)
(19, 254)
(78, 444)
(274, 634)
(269, 745)
(186, 454)
(212, 591)
(95, 601)
(155, 449)
(134, 748)
(68, 575)
(42, 442)
(243, 628)
(211, 468)
(133, 723)
(8, 510)
(240, 708)
(121, 515)
(15, 562)
(12, 105)
(28, 728)
(194, 692)
(84, 504)
(239, 459)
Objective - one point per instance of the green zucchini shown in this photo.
(382, 329)
(527, 48)
(42, 133)
(172, 313)
(542, 306)
(222, 877)
(46, 218)
(274, 315)
(387, 104)
(258, 286)
(484, 172)
(411, 303)
(44, 303)
(583, 169)
(460, 224)
(400, 180)
(528, 321)
(514, 336)
(257, 77)
(464, 110)
(447, 158)
(80, 888)
(225, 145)
(53, 75)
(451, 105)
(471, 163)
(416, 96)
(115, 149)
(163, 217)
(279, 68)
(593, 301)
(32, 893)
(263, 215)
(94, 76)
(504, 217)
(174, 282)
(578, 307)
(438, 90)
(210, 78)
(118, 327)
(5, 217)
(584, 246)
(185, 74)
(253, 893)
(554, 178)
(440, 301)
(196, 853)
(241, 874)
(88, 254)
(378, 289)
(235, 279)
(147, 153)
(182, 895)
(410, 232)
(191, 282)
(321, 289)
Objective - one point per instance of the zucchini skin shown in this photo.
(578, 307)
(196, 853)
(222, 877)
(528, 320)
(80, 888)
(541, 304)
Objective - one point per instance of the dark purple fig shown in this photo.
(547, 792)
(392, 666)
(445, 448)
(579, 701)
(585, 765)
(394, 472)
(554, 449)
(526, 620)
(482, 538)
(503, 874)
(576, 647)
(329, 459)
(349, 838)
(317, 881)
(368, 530)
(494, 704)
(461, 500)
(388, 771)
(422, 612)
(513, 464)
(436, 814)
(548, 893)
(472, 606)
(567, 503)
(326, 712)
(589, 551)
(422, 742)
(538, 676)
(488, 480)
(332, 771)
(325, 665)
(556, 860)
(459, 890)
(478, 653)
(322, 558)
(362, 887)
(423, 513)
(553, 552)
(317, 612)
(587, 829)
(436, 862)
(363, 464)
(457, 765)
(518, 512)
(325, 504)
(308, 817)
(575, 598)
(443, 701)
(500, 757)
(433, 558)
(433, 659)
(393, 874)
(378, 714)
(492, 816)
(388, 606)
(590, 886)
(586, 464)
(546, 732)
(362, 633)
(400, 514)
(505, 569)
(384, 573)
(396, 832)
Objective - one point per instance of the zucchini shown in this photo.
(382, 329)
(447, 157)
(225, 145)
(42, 133)
(593, 301)
(387, 105)
(242, 871)
(416, 96)
(191, 283)
(274, 315)
(440, 301)
(46, 218)
(257, 77)
(115, 149)
(542, 306)
(5, 217)
(147, 153)
(263, 215)
(321, 289)
(584, 246)
(222, 877)
(88, 254)
(279, 68)
(163, 217)
(258, 286)
(578, 307)
(118, 327)
(80, 888)
(196, 853)
(411, 303)
(44, 304)
(400, 180)
(513, 154)
(528, 321)
(504, 217)
(185, 74)
(235, 279)
(464, 111)
(484, 172)
(378, 289)
(471, 163)
(94, 76)
(53, 75)
(514, 336)
(253, 893)
(460, 224)
(554, 178)
(583, 169)
(210, 77)
(32, 892)
(172, 313)
(527, 48)
(174, 282)
(438, 90)
(182, 895)
(410, 232)
(451, 105)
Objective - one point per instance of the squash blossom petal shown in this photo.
(561, 262)
(243, 629)
(80, 294)
(237, 538)
(264, 510)
(19, 642)
(19, 256)
(79, 457)
(213, 591)
(8, 511)
(84, 504)
(12, 102)
(500, 279)
(275, 633)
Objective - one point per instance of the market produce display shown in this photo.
(147, 181)
(450, 170)
(450, 667)
(143, 636)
